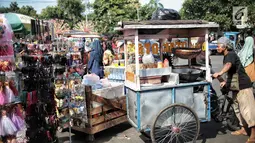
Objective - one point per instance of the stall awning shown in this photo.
(80, 34)
(20, 23)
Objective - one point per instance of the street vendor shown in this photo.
(239, 82)
(108, 54)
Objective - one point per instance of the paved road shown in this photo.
(210, 132)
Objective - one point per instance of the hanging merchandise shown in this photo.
(12, 121)
(6, 34)
(40, 107)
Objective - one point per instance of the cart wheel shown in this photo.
(91, 138)
(146, 134)
(176, 123)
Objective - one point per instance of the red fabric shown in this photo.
(13, 88)
(31, 99)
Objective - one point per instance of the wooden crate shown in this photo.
(112, 112)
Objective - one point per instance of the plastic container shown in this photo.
(160, 64)
(116, 63)
(90, 79)
(122, 63)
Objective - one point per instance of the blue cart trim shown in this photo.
(173, 95)
(138, 111)
(125, 91)
(209, 103)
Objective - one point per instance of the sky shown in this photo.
(40, 4)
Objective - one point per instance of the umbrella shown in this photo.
(20, 23)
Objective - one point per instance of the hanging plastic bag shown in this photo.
(165, 14)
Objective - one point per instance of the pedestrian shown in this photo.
(95, 64)
(108, 54)
(243, 95)
(246, 56)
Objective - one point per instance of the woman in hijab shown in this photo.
(247, 58)
(95, 64)
(108, 54)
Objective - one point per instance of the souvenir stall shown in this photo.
(164, 98)
(99, 106)
(13, 127)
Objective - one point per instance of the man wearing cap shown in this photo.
(245, 102)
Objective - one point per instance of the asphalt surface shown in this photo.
(211, 132)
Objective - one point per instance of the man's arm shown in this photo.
(219, 77)
(225, 69)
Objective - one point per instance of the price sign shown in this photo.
(167, 47)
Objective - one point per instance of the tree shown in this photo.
(68, 10)
(14, 7)
(107, 13)
(4, 9)
(28, 10)
(147, 10)
(52, 12)
(219, 11)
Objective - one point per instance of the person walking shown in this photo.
(237, 76)
(95, 64)
(246, 56)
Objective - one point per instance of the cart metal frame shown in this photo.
(143, 103)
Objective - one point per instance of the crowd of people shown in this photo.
(103, 53)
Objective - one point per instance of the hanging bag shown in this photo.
(234, 85)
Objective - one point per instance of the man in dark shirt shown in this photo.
(244, 98)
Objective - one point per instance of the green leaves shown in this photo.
(28, 10)
(107, 13)
(219, 11)
(68, 10)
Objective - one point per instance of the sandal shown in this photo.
(250, 141)
(238, 133)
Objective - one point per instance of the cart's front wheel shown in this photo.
(176, 123)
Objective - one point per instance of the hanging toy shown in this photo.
(2, 28)
(17, 120)
(9, 95)
(2, 95)
(8, 128)
(13, 87)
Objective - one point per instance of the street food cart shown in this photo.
(167, 100)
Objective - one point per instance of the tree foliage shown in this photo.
(219, 11)
(147, 10)
(28, 10)
(68, 10)
(14, 7)
(52, 12)
(107, 13)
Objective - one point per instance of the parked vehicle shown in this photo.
(213, 47)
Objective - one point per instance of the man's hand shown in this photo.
(216, 75)
(222, 84)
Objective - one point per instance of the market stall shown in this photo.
(20, 23)
(161, 96)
